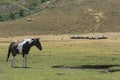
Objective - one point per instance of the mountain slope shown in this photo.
(14, 9)
(68, 17)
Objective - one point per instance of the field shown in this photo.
(64, 59)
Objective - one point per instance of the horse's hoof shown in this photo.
(24, 67)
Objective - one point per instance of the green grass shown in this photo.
(67, 53)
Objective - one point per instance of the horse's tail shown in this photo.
(8, 54)
(9, 50)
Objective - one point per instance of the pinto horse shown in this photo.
(22, 48)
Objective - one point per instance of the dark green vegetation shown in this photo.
(72, 53)
(63, 17)
(13, 9)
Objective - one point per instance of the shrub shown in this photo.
(21, 13)
(11, 16)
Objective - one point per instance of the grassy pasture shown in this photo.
(64, 52)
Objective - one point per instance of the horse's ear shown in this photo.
(36, 39)
(32, 39)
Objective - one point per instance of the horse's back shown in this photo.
(13, 45)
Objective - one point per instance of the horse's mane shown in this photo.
(27, 40)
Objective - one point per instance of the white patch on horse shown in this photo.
(20, 45)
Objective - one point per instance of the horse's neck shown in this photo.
(31, 45)
(28, 44)
(29, 41)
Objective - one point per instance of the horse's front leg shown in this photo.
(24, 60)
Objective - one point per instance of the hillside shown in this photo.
(67, 17)
(14, 9)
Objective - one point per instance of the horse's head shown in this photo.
(37, 43)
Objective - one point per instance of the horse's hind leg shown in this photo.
(13, 61)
